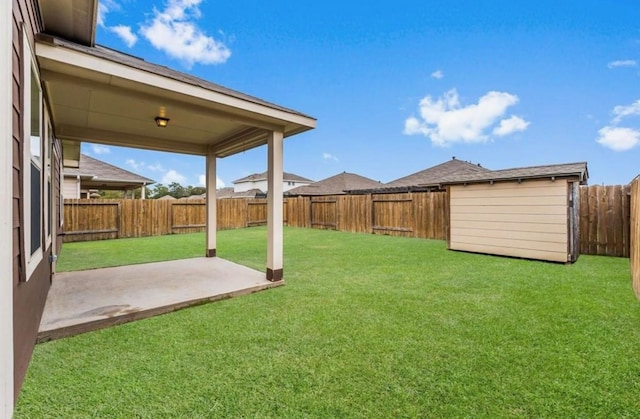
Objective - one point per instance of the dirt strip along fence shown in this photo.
(605, 216)
(635, 235)
(605, 220)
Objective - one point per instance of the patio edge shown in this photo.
(68, 331)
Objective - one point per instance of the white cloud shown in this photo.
(124, 33)
(511, 125)
(202, 179)
(438, 74)
(445, 121)
(100, 149)
(621, 138)
(155, 167)
(618, 138)
(622, 63)
(104, 7)
(136, 165)
(329, 156)
(620, 111)
(173, 176)
(174, 31)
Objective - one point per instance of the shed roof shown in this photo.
(335, 185)
(564, 170)
(102, 175)
(255, 177)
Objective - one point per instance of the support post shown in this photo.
(274, 206)
(6, 212)
(212, 222)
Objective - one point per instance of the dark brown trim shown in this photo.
(211, 253)
(274, 275)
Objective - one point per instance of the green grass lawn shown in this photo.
(367, 326)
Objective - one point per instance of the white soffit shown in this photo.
(100, 100)
(71, 19)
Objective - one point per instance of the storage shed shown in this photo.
(529, 212)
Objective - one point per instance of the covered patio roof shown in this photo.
(104, 96)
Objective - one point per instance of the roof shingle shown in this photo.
(255, 177)
(335, 185)
(100, 171)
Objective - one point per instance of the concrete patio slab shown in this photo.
(83, 301)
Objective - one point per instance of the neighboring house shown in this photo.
(226, 193)
(93, 175)
(335, 185)
(259, 181)
(57, 89)
(432, 177)
(167, 198)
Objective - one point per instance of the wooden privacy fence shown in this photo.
(423, 214)
(418, 214)
(635, 235)
(100, 219)
(605, 216)
(605, 220)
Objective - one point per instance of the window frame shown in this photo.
(47, 184)
(30, 69)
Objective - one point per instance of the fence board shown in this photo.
(355, 213)
(324, 212)
(604, 220)
(635, 234)
(86, 220)
(256, 212)
(393, 214)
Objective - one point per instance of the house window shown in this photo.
(33, 160)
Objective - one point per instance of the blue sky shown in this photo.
(401, 86)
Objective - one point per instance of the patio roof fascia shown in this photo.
(61, 59)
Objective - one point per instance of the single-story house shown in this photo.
(259, 181)
(228, 192)
(93, 175)
(429, 179)
(334, 185)
(528, 212)
(58, 89)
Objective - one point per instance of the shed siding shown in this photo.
(70, 188)
(28, 297)
(527, 219)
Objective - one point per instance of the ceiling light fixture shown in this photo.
(162, 122)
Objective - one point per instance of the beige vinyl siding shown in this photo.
(70, 188)
(527, 219)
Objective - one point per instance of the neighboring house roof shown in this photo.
(224, 193)
(97, 174)
(427, 178)
(335, 185)
(166, 197)
(434, 175)
(563, 170)
(200, 196)
(286, 177)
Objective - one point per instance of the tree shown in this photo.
(158, 191)
(176, 190)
